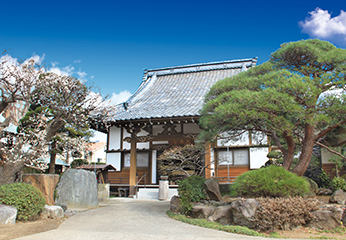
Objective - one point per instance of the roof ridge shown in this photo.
(254, 59)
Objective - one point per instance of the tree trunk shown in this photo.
(10, 172)
(51, 169)
(306, 154)
(289, 154)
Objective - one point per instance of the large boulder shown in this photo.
(212, 188)
(202, 211)
(78, 189)
(244, 211)
(8, 214)
(326, 219)
(46, 183)
(338, 197)
(222, 215)
(175, 204)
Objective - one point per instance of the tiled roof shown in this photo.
(97, 166)
(176, 91)
(95, 146)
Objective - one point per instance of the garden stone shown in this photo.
(212, 188)
(103, 192)
(54, 212)
(175, 204)
(78, 189)
(222, 215)
(325, 219)
(202, 211)
(324, 191)
(338, 197)
(45, 183)
(8, 214)
(244, 212)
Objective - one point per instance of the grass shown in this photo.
(214, 225)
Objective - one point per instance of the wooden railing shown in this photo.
(144, 176)
(226, 179)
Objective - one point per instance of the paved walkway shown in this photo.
(134, 219)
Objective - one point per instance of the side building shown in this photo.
(164, 112)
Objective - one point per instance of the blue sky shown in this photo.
(109, 43)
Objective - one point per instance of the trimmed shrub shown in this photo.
(78, 162)
(272, 181)
(191, 190)
(284, 213)
(28, 199)
(339, 183)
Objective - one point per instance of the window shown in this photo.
(239, 156)
(142, 159)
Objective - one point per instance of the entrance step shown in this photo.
(153, 193)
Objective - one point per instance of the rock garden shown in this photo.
(268, 200)
(40, 203)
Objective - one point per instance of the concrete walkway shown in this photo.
(130, 219)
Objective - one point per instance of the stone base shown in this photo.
(103, 192)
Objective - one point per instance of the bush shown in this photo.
(28, 199)
(78, 162)
(319, 176)
(339, 183)
(272, 181)
(191, 190)
(284, 213)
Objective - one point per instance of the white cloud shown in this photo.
(120, 97)
(77, 61)
(37, 59)
(65, 71)
(321, 25)
(81, 74)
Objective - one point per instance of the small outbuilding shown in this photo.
(101, 171)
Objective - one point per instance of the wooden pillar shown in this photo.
(133, 164)
(207, 161)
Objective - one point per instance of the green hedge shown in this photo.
(191, 190)
(28, 199)
(272, 181)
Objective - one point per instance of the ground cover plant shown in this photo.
(273, 181)
(28, 199)
(214, 225)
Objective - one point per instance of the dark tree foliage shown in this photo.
(296, 98)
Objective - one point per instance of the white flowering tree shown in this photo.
(50, 110)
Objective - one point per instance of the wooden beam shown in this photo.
(133, 164)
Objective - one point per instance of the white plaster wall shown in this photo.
(144, 145)
(160, 142)
(114, 138)
(126, 145)
(100, 153)
(191, 128)
(243, 141)
(259, 138)
(258, 157)
(325, 156)
(157, 129)
(212, 160)
(153, 167)
(115, 160)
